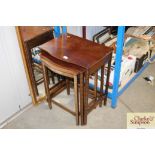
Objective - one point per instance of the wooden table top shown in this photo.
(29, 32)
(76, 50)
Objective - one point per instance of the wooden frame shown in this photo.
(32, 93)
(25, 48)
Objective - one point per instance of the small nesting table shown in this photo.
(70, 71)
(87, 57)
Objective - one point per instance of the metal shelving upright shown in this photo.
(119, 53)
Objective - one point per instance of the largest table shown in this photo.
(83, 53)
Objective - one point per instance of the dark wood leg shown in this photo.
(68, 86)
(101, 84)
(31, 69)
(107, 80)
(76, 98)
(86, 96)
(46, 83)
(81, 98)
(95, 85)
(58, 76)
(84, 32)
(33, 80)
(52, 77)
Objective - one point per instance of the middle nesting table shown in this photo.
(87, 57)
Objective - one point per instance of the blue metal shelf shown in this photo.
(116, 92)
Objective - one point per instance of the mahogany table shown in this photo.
(68, 71)
(88, 55)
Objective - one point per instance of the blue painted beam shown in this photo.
(57, 31)
(118, 59)
(64, 29)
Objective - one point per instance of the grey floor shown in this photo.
(139, 97)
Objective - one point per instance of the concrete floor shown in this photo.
(139, 97)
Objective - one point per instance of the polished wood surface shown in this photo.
(30, 32)
(76, 50)
(59, 66)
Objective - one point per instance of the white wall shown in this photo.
(76, 30)
(92, 30)
(14, 91)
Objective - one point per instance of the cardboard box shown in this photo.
(140, 62)
(138, 48)
(127, 68)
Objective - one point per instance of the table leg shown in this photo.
(76, 98)
(68, 86)
(52, 77)
(86, 96)
(95, 85)
(107, 80)
(46, 83)
(82, 99)
(101, 84)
